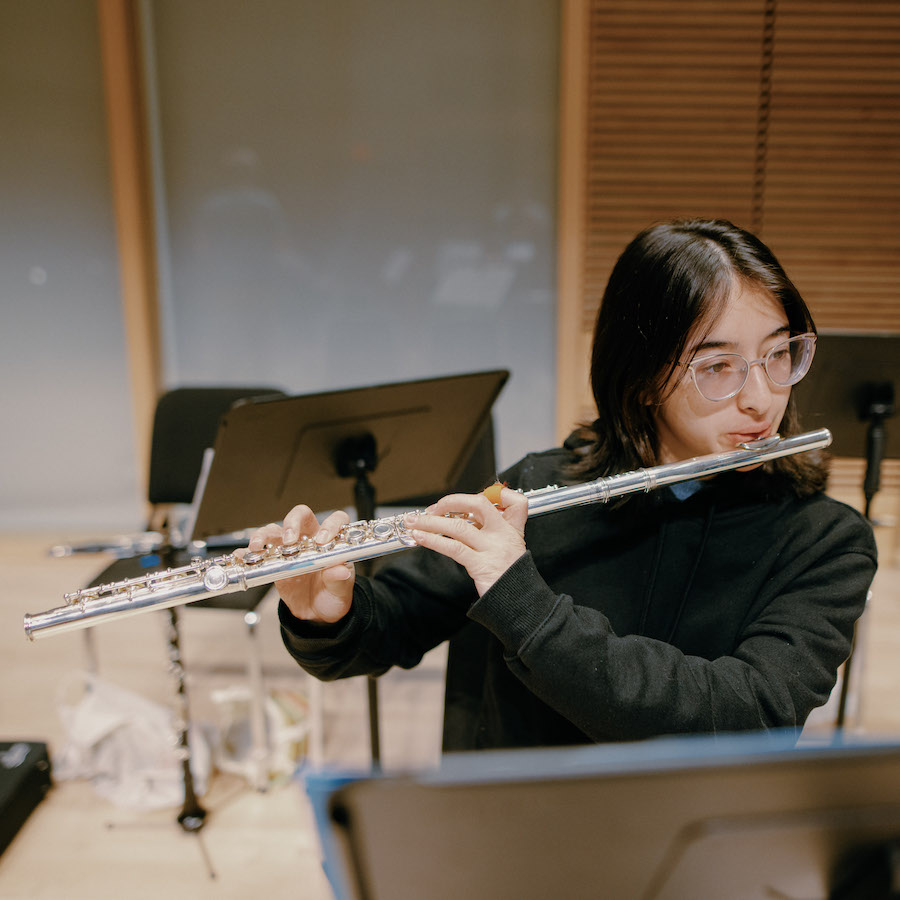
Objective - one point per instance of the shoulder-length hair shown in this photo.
(669, 286)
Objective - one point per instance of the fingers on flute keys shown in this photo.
(267, 535)
(454, 517)
(300, 522)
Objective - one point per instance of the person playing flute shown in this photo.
(721, 605)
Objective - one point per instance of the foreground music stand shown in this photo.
(396, 441)
(742, 816)
(851, 392)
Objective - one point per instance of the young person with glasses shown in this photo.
(721, 605)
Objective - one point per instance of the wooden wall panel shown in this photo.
(132, 194)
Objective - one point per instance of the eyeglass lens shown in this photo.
(722, 376)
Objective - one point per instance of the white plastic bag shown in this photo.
(126, 745)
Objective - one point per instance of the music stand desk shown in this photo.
(273, 454)
(832, 396)
(743, 817)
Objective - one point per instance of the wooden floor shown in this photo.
(77, 845)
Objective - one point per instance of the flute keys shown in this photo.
(354, 534)
(404, 536)
(215, 578)
(382, 530)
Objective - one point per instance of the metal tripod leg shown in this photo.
(192, 815)
(259, 753)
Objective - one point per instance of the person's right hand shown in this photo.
(323, 596)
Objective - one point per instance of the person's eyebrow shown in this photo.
(727, 345)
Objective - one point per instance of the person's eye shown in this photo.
(718, 365)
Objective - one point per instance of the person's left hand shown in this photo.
(485, 549)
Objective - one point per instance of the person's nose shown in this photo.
(756, 394)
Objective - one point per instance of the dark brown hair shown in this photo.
(672, 280)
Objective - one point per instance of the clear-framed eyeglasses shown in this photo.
(722, 376)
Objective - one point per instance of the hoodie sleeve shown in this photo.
(783, 665)
(414, 604)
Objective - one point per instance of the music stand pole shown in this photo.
(877, 405)
(192, 815)
(355, 458)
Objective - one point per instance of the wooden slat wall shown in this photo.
(832, 198)
(670, 117)
(782, 115)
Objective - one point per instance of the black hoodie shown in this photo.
(729, 610)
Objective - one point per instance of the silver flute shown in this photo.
(358, 541)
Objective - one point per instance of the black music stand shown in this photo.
(851, 392)
(397, 441)
(743, 816)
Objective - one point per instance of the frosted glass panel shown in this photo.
(67, 454)
(359, 193)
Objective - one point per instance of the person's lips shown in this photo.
(745, 437)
